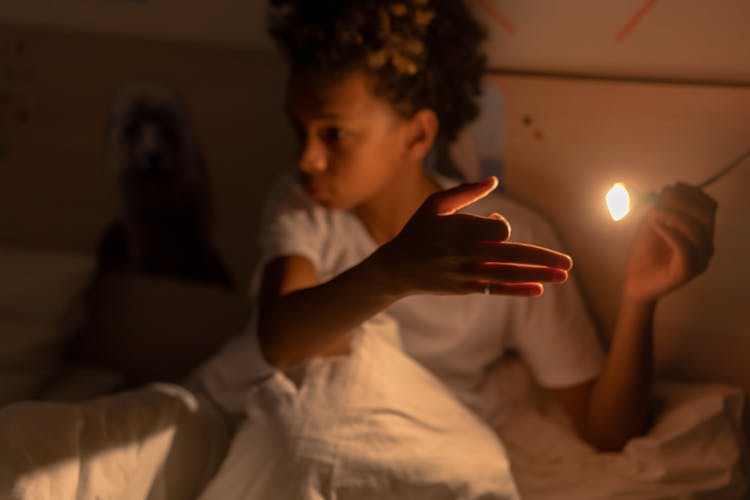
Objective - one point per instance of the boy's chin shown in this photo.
(330, 204)
(333, 203)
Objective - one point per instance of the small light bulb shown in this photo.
(618, 201)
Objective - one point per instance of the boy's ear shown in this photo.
(424, 127)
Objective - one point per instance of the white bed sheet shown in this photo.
(366, 419)
(695, 448)
(157, 443)
(373, 424)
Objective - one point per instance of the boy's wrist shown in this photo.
(382, 277)
(637, 312)
(639, 304)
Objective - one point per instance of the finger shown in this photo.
(514, 273)
(512, 289)
(450, 201)
(475, 228)
(521, 253)
(682, 248)
(689, 202)
(497, 216)
(697, 195)
(692, 200)
(699, 236)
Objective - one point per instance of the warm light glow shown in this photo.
(618, 201)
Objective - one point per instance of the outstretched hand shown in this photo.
(674, 243)
(441, 251)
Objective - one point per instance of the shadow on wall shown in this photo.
(160, 282)
(163, 188)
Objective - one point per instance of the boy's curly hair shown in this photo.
(423, 53)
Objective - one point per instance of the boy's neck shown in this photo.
(387, 213)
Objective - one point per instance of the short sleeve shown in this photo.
(554, 333)
(291, 224)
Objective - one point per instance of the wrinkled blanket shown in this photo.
(157, 443)
(371, 424)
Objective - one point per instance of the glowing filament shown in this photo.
(618, 201)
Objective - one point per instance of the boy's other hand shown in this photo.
(673, 244)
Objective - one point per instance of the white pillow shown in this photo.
(479, 150)
(38, 294)
(372, 424)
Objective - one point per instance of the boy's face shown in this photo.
(353, 143)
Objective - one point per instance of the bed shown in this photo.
(72, 341)
(352, 428)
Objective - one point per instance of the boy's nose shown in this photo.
(313, 158)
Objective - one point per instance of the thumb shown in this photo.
(497, 216)
(451, 200)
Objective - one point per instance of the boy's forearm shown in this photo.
(620, 400)
(306, 322)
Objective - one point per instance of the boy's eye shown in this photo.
(333, 134)
(299, 130)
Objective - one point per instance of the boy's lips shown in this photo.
(315, 190)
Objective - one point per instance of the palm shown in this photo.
(673, 244)
(654, 268)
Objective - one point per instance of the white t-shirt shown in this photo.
(456, 337)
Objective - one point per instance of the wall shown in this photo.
(672, 39)
(705, 40)
(238, 23)
(568, 140)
